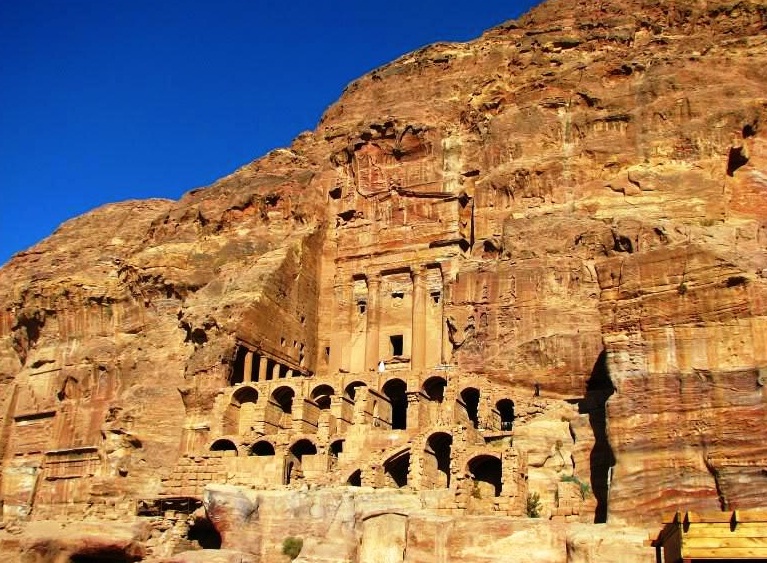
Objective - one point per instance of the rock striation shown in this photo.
(530, 266)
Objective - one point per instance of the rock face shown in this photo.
(531, 264)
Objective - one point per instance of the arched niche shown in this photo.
(505, 408)
(350, 391)
(470, 400)
(223, 445)
(282, 399)
(485, 472)
(436, 466)
(240, 413)
(262, 448)
(296, 453)
(434, 388)
(396, 391)
(322, 396)
(397, 469)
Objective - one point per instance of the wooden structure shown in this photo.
(692, 537)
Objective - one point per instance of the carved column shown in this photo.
(372, 355)
(262, 365)
(248, 369)
(418, 339)
(447, 347)
(276, 370)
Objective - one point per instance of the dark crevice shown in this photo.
(599, 388)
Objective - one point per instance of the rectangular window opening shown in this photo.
(396, 344)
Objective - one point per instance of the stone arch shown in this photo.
(241, 410)
(322, 395)
(505, 408)
(335, 449)
(397, 469)
(485, 472)
(262, 448)
(355, 478)
(294, 465)
(395, 390)
(223, 445)
(436, 467)
(281, 403)
(350, 391)
(434, 388)
(434, 391)
(470, 401)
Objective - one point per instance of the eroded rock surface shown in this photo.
(531, 264)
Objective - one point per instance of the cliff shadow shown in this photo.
(599, 388)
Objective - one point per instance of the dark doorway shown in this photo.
(355, 479)
(486, 474)
(223, 445)
(434, 388)
(506, 411)
(396, 342)
(396, 391)
(262, 448)
(439, 445)
(396, 470)
(470, 398)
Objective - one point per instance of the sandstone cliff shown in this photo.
(540, 255)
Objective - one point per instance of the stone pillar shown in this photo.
(262, 365)
(372, 355)
(248, 369)
(447, 347)
(276, 370)
(418, 339)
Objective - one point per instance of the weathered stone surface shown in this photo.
(531, 263)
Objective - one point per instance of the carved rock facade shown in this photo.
(531, 263)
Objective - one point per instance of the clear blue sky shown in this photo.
(107, 100)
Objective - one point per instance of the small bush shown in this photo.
(291, 546)
(534, 507)
(582, 485)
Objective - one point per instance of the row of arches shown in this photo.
(484, 470)
(277, 412)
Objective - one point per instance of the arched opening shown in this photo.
(241, 412)
(282, 397)
(262, 448)
(485, 471)
(350, 392)
(396, 470)
(335, 450)
(322, 395)
(395, 391)
(437, 461)
(238, 368)
(470, 399)
(204, 533)
(223, 445)
(506, 411)
(355, 479)
(434, 388)
(296, 454)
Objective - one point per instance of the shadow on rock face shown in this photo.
(599, 388)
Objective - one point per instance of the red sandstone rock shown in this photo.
(563, 222)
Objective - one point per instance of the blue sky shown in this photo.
(108, 100)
